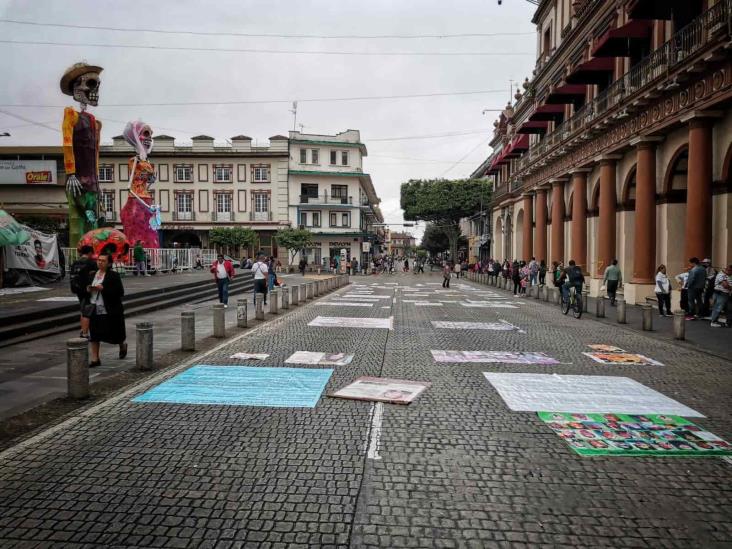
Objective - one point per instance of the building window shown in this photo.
(316, 219)
(314, 159)
(183, 174)
(304, 219)
(223, 206)
(261, 202)
(184, 206)
(260, 174)
(303, 156)
(346, 220)
(344, 158)
(308, 193)
(333, 219)
(333, 157)
(107, 205)
(223, 174)
(339, 191)
(547, 40)
(106, 173)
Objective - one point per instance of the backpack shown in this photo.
(76, 277)
(574, 275)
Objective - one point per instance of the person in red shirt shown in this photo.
(223, 272)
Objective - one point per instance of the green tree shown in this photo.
(444, 202)
(294, 240)
(232, 238)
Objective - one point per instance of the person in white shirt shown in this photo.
(663, 291)
(261, 274)
(683, 280)
(722, 291)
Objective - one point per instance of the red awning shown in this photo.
(622, 41)
(594, 71)
(519, 144)
(568, 93)
(656, 9)
(527, 127)
(547, 112)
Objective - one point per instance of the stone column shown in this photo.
(557, 221)
(608, 209)
(541, 225)
(579, 218)
(528, 228)
(644, 242)
(699, 187)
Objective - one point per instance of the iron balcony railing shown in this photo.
(183, 216)
(706, 29)
(219, 217)
(260, 216)
(325, 199)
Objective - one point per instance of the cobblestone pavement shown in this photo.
(454, 469)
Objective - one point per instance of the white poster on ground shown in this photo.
(319, 359)
(40, 253)
(346, 304)
(503, 357)
(382, 389)
(583, 394)
(351, 322)
(500, 326)
(487, 305)
(250, 356)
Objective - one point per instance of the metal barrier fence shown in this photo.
(160, 259)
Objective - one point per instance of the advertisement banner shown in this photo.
(40, 253)
(27, 172)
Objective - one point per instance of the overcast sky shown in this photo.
(133, 76)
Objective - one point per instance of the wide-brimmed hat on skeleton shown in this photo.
(74, 72)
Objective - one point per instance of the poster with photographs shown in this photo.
(351, 322)
(319, 359)
(382, 389)
(630, 435)
(40, 253)
(601, 347)
(505, 357)
(616, 359)
(250, 356)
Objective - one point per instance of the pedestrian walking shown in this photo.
(79, 278)
(107, 317)
(223, 272)
(695, 286)
(446, 274)
(272, 274)
(260, 271)
(516, 278)
(542, 273)
(711, 276)
(533, 272)
(612, 280)
(138, 254)
(683, 279)
(663, 291)
(301, 266)
(722, 290)
(457, 269)
(354, 266)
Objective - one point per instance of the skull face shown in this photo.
(146, 138)
(86, 89)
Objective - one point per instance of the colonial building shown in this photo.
(331, 196)
(402, 244)
(205, 185)
(620, 145)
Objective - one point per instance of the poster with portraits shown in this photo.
(382, 389)
(39, 253)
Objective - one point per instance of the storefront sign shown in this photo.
(366, 247)
(27, 172)
(339, 244)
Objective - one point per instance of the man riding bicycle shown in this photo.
(571, 277)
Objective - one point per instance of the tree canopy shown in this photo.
(232, 237)
(435, 240)
(444, 202)
(294, 240)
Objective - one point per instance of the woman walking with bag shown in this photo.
(107, 318)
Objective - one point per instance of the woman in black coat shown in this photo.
(107, 323)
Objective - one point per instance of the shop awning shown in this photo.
(622, 41)
(568, 93)
(655, 9)
(547, 112)
(528, 127)
(518, 145)
(594, 71)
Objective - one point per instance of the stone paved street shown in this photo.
(456, 468)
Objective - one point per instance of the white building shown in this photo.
(332, 197)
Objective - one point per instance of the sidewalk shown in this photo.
(34, 372)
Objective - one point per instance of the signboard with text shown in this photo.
(27, 172)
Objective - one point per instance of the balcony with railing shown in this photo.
(325, 199)
(624, 95)
(184, 216)
(260, 216)
(220, 217)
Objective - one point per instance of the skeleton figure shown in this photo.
(140, 217)
(81, 136)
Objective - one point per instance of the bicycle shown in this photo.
(574, 302)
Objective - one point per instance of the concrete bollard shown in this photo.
(295, 295)
(546, 293)
(187, 331)
(318, 288)
(241, 313)
(585, 301)
(259, 306)
(274, 301)
(318, 271)
(557, 297)
(600, 306)
(538, 292)
(679, 324)
(620, 302)
(219, 320)
(144, 350)
(311, 289)
(303, 293)
(77, 367)
(647, 312)
(285, 298)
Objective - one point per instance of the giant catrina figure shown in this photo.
(81, 134)
(140, 216)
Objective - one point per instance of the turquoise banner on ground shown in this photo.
(242, 386)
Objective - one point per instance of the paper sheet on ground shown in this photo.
(583, 394)
(351, 322)
(381, 389)
(320, 359)
(250, 356)
(632, 359)
(501, 325)
(505, 357)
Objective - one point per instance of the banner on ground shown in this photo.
(40, 253)
(382, 389)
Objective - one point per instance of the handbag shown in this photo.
(88, 310)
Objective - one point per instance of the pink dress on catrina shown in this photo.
(139, 210)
